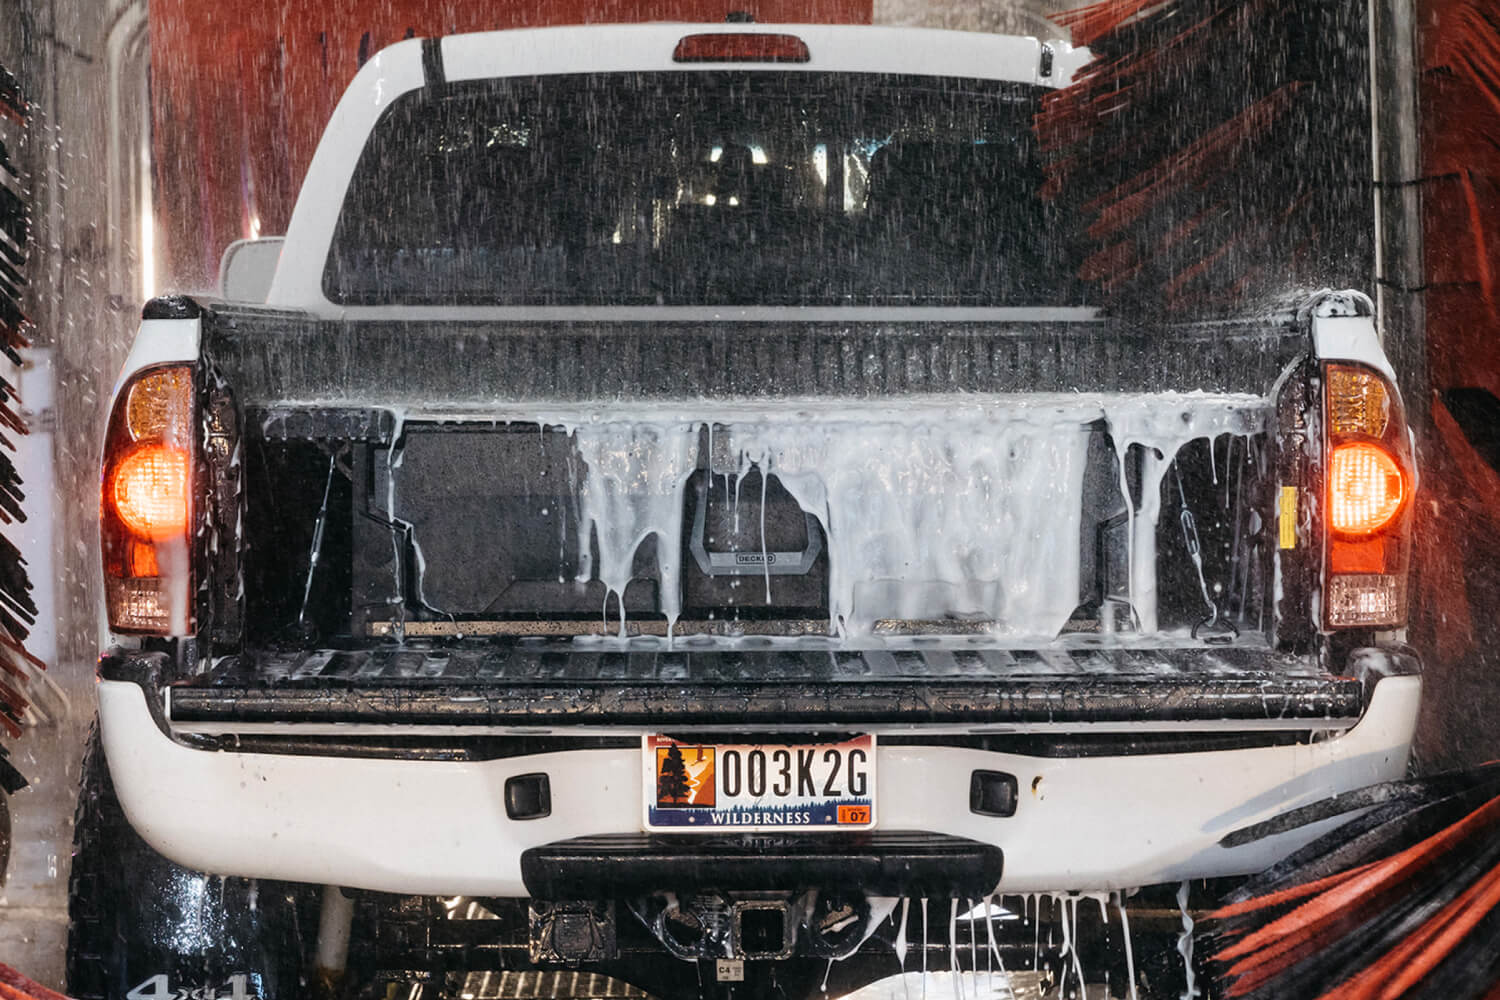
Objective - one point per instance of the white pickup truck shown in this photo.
(673, 518)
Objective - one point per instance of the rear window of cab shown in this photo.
(703, 188)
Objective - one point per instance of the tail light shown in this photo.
(1369, 483)
(741, 47)
(146, 503)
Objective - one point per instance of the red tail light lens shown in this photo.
(145, 503)
(1365, 488)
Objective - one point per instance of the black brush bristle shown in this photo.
(18, 610)
(1203, 145)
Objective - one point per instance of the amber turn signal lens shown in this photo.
(1366, 488)
(150, 492)
(160, 405)
(1358, 402)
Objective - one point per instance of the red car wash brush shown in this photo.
(14, 986)
(1399, 902)
(1206, 150)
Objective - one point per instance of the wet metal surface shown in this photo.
(532, 684)
(916, 660)
(336, 362)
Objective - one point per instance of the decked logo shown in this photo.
(685, 777)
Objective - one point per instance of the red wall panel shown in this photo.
(1461, 192)
(1453, 617)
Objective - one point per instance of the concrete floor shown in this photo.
(34, 900)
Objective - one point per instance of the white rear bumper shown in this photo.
(440, 827)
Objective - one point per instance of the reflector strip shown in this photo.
(1286, 517)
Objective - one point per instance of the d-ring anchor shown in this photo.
(1217, 631)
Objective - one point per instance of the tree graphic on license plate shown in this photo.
(685, 781)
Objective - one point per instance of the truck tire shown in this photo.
(143, 928)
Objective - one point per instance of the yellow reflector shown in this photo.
(1287, 517)
(1358, 402)
(150, 492)
(1365, 488)
(160, 405)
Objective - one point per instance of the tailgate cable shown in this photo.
(1222, 629)
(317, 539)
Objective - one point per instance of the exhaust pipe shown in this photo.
(837, 923)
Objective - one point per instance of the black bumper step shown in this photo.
(558, 664)
(518, 684)
(883, 862)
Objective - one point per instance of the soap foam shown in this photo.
(933, 506)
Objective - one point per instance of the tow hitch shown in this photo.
(760, 926)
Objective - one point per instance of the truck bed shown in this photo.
(994, 477)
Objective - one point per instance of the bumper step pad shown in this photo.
(883, 862)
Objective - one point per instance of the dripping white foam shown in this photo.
(900, 946)
(1129, 948)
(932, 507)
(1185, 945)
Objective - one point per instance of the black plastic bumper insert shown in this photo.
(884, 862)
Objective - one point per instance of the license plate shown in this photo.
(708, 787)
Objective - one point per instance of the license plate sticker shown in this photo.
(707, 787)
